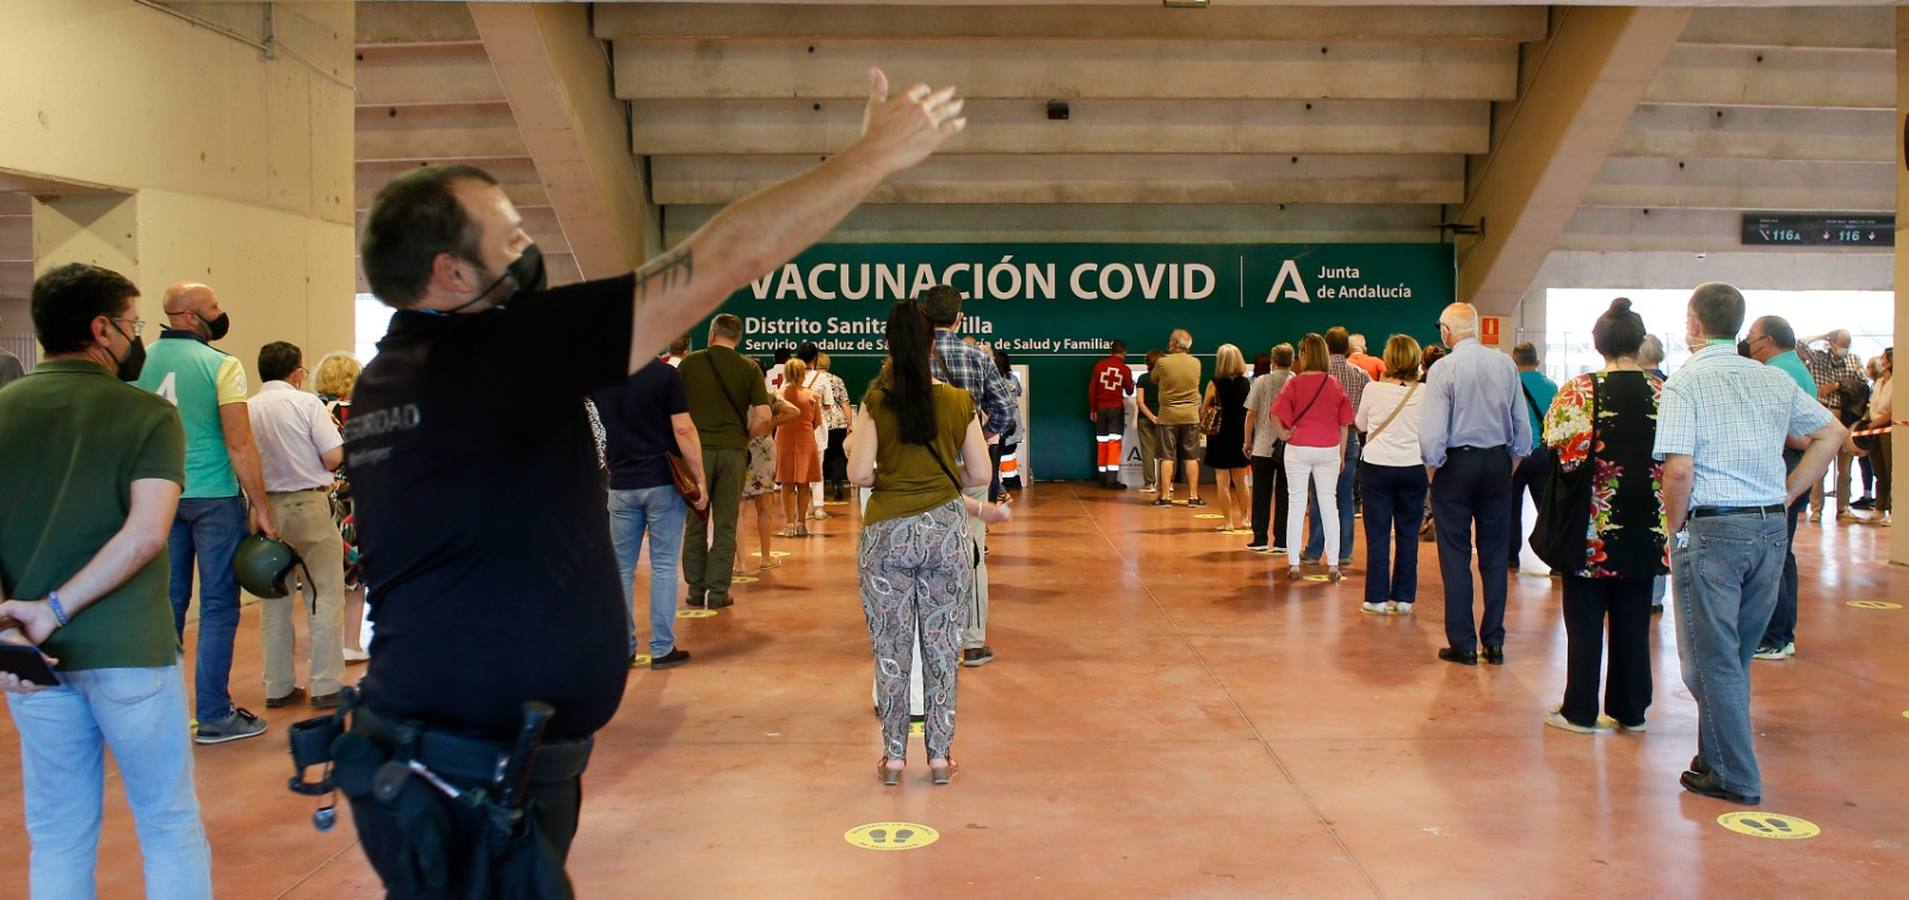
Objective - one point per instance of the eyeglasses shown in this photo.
(139, 325)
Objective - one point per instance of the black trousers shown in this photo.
(1782, 627)
(835, 458)
(557, 807)
(1627, 682)
(1269, 495)
(1529, 478)
(1474, 486)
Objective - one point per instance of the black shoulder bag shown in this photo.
(1564, 513)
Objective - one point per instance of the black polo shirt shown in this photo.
(637, 426)
(481, 515)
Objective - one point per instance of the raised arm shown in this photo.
(761, 231)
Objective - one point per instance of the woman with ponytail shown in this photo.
(916, 443)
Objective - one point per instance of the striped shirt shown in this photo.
(1730, 415)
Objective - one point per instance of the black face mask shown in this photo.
(128, 369)
(216, 328)
(1743, 350)
(526, 274)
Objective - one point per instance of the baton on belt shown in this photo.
(514, 779)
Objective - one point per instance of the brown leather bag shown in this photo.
(684, 478)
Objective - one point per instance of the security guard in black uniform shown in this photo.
(499, 646)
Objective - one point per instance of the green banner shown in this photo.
(1057, 307)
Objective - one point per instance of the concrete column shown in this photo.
(1899, 537)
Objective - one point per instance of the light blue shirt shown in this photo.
(1473, 400)
(1543, 390)
(1730, 415)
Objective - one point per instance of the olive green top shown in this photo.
(908, 480)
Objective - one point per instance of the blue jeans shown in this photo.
(1782, 628)
(1727, 577)
(1394, 507)
(209, 531)
(140, 714)
(660, 511)
(1348, 473)
(1474, 486)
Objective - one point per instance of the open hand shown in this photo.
(996, 513)
(901, 131)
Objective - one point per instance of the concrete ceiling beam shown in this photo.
(1065, 178)
(1235, 22)
(1065, 69)
(1859, 28)
(556, 75)
(426, 74)
(1647, 230)
(1733, 76)
(1171, 223)
(478, 130)
(1671, 269)
(1776, 133)
(414, 23)
(1584, 87)
(694, 127)
(1745, 184)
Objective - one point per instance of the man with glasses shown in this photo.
(208, 387)
(92, 472)
(1772, 342)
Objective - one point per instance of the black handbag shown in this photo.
(1564, 512)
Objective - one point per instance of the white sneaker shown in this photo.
(1401, 609)
(1771, 653)
(1376, 609)
(1789, 650)
(1557, 720)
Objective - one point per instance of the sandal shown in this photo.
(890, 775)
(943, 774)
(771, 563)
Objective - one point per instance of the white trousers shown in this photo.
(1321, 466)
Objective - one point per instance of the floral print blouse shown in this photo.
(1626, 534)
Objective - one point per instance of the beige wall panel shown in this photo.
(1853, 27)
(1752, 271)
(1744, 184)
(1748, 132)
(1275, 223)
(1231, 22)
(160, 103)
(1096, 179)
(1043, 69)
(101, 229)
(414, 23)
(441, 73)
(16, 280)
(692, 127)
(1733, 76)
(450, 131)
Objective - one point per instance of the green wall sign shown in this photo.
(1057, 307)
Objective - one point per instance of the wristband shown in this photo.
(59, 612)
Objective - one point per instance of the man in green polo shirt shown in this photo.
(93, 473)
(729, 403)
(1772, 342)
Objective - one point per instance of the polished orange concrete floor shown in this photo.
(1165, 718)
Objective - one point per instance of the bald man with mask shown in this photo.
(222, 474)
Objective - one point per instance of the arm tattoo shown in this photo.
(669, 271)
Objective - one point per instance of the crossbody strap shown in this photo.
(716, 373)
(1409, 391)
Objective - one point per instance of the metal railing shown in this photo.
(24, 347)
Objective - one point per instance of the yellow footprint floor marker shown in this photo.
(1874, 604)
(916, 729)
(1208, 516)
(777, 554)
(696, 613)
(1774, 826)
(891, 836)
(1317, 577)
(744, 579)
(639, 662)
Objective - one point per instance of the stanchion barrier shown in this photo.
(1875, 431)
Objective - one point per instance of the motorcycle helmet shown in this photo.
(264, 566)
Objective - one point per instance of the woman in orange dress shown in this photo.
(798, 463)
